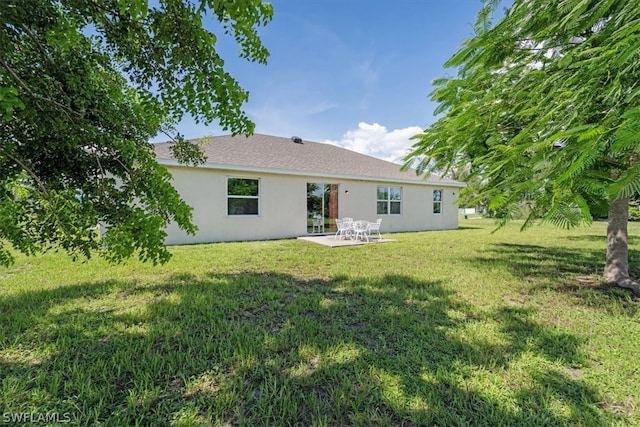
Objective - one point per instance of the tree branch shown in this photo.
(28, 170)
(26, 87)
(34, 37)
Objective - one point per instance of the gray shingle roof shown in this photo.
(278, 154)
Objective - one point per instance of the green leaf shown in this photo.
(627, 185)
(544, 105)
(84, 86)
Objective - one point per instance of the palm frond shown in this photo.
(628, 184)
(627, 136)
(566, 214)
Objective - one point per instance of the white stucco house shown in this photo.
(266, 187)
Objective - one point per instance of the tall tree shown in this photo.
(84, 85)
(545, 108)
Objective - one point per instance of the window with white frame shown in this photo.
(243, 196)
(389, 200)
(437, 201)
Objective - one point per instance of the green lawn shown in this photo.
(460, 327)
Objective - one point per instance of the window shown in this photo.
(242, 196)
(389, 200)
(437, 201)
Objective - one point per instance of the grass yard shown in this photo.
(460, 327)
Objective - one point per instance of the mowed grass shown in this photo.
(460, 327)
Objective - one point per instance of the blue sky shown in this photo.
(354, 73)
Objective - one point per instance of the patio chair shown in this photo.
(361, 228)
(318, 224)
(344, 228)
(374, 227)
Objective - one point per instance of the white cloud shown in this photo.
(375, 140)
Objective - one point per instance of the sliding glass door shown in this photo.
(322, 207)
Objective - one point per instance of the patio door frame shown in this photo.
(328, 206)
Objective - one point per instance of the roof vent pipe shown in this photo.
(296, 139)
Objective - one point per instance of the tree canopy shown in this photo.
(84, 86)
(544, 110)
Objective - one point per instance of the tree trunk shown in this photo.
(616, 270)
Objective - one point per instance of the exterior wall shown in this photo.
(417, 206)
(283, 206)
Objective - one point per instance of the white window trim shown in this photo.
(439, 202)
(244, 197)
(388, 201)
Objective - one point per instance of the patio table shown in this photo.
(358, 229)
(361, 230)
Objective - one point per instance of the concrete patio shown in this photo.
(332, 242)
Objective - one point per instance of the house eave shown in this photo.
(174, 163)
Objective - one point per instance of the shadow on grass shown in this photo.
(24, 311)
(272, 349)
(634, 255)
(542, 261)
(599, 238)
(574, 271)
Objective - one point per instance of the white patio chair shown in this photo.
(374, 227)
(318, 224)
(361, 228)
(340, 226)
(344, 228)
